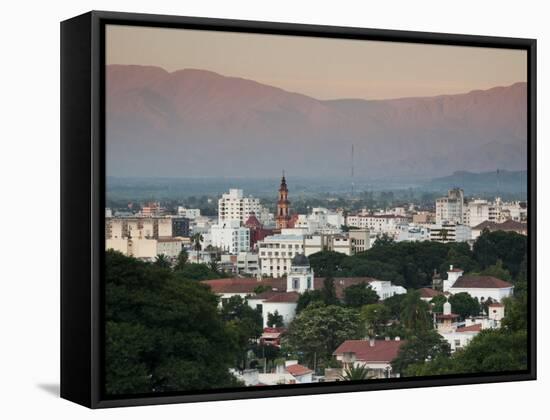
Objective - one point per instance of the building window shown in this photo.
(295, 283)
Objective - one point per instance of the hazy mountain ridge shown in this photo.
(197, 122)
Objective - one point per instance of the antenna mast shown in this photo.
(352, 173)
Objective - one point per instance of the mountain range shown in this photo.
(196, 122)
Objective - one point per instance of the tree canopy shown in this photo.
(319, 329)
(162, 334)
(358, 295)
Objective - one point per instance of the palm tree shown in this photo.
(162, 261)
(181, 260)
(196, 240)
(415, 312)
(355, 373)
(214, 266)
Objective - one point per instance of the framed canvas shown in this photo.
(256, 209)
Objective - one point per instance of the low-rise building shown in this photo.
(375, 355)
(507, 226)
(171, 247)
(248, 263)
(303, 374)
(230, 237)
(450, 232)
(188, 213)
(350, 243)
(276, 253)
(378, 224)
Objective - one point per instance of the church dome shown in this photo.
(300, 260)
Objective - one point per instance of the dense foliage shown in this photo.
(319, 329)
(412, 264)
(162, 333)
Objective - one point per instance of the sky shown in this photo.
(322, 68)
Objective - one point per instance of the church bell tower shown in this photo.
(283, 205)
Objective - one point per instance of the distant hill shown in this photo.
(196, 122)
(501, 181)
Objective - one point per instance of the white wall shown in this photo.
(31, 51)
(286, 309)
(496, 294)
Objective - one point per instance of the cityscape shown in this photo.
(328, 211)
(281, 264)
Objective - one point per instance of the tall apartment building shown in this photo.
(450, 209)
(234, 206)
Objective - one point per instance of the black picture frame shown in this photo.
(83, 203)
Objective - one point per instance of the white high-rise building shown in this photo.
(234, 206)
(230, 237)
(450, 208)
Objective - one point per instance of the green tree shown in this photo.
(376, 317)
(437, 303)
(393, 304)
(355, 373)
(329, 292)
(492, 350)
(415, 313)
(214, 266)
(325, 263)
(196, 240)
(161, 261)
(182, 259)
(307, 298)
(197, 272)
(509, 247)
(358, 295)
(262, 288)
(161, 334)
(275, 319)
(516, 313)
(497, 270)
(319, 329)
(245, 324)
(464, 305)
(420, 348)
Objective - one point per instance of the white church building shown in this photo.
(480, 287)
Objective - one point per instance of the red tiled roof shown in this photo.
(456, 270)
(265, 295)
(508, 225)
(253, 222)
(381, 351)
(243, 285)
(426, 292)
(496, 305)
(475, 327)
(284, 297)
(298, 370)
(481, 282)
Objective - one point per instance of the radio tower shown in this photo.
(352, 173)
